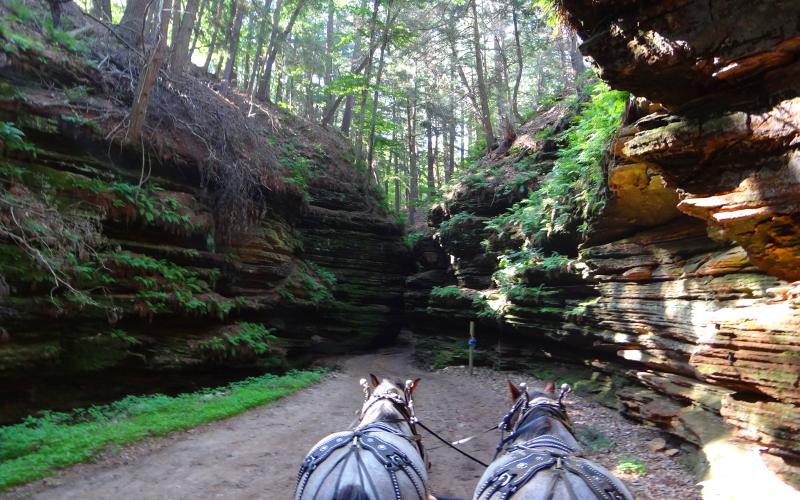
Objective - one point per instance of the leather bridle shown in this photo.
(404, 405)
(523, 407)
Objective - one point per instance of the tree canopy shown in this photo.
(418, 86)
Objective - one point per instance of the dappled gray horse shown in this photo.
(540, 455)
(380, 458)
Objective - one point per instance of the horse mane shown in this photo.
(535, 426)
(538, 421)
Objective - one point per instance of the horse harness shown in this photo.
(525, 406)
(541, 453)
(368, 438)
(406, 408)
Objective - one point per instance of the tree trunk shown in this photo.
(198, 27)
(263, 92)
(180, 46)
(257, 63)
(431, 159)
(102, 9)
(367, 76)
(218, 69)
(486, 117)
(347, 114)
(249, 48)
(131, 27)
(397, 194)
(279, 89)
(499, 80)
(518, 47)
(451, 146)
(464, 134)
(309, 105)
(329, 41)
(413, 180)
(214, 35)
(437, 165)
(576, 58)
(562, 61)
(276, 40)
(381, 63)
(238, 11)
(540, 77)
(176, 22)
(149, 77)
(331, 111)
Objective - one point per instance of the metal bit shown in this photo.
(565, 388)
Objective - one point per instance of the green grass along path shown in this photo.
(35, 448)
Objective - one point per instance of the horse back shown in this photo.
(538, 476)
(375, 466)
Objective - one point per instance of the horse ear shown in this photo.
(550, 387)
(515, 392)
(374, 380)
(414, 385)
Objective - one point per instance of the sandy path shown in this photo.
(256, 455)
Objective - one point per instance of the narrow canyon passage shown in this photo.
(202, 199)
(257, 454)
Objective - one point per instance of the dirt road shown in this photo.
(256, 455)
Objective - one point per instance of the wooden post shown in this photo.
(471, 343)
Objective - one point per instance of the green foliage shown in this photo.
(572, 192)
(300, 168)
(477, 180)
(310, 283)
(123, 337)
(317, 282)
(411, 238)
(326, 277)
(22, 12)
(65, 40)
(14, 139)
(441, 352)
(162, 285)
(9, 172)
(248, 339)
(450, 225)
(527, 294)
(81, 121)
(15, 39)
(631, 465)
(77, 92)
(594, 439)
(286, 295)
(33, 449)
(448, 292)
(150, 206)
(513, 266)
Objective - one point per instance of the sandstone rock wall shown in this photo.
(163, 286)
(682, 287)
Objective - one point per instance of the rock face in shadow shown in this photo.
(167, 277)
(680, 297)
